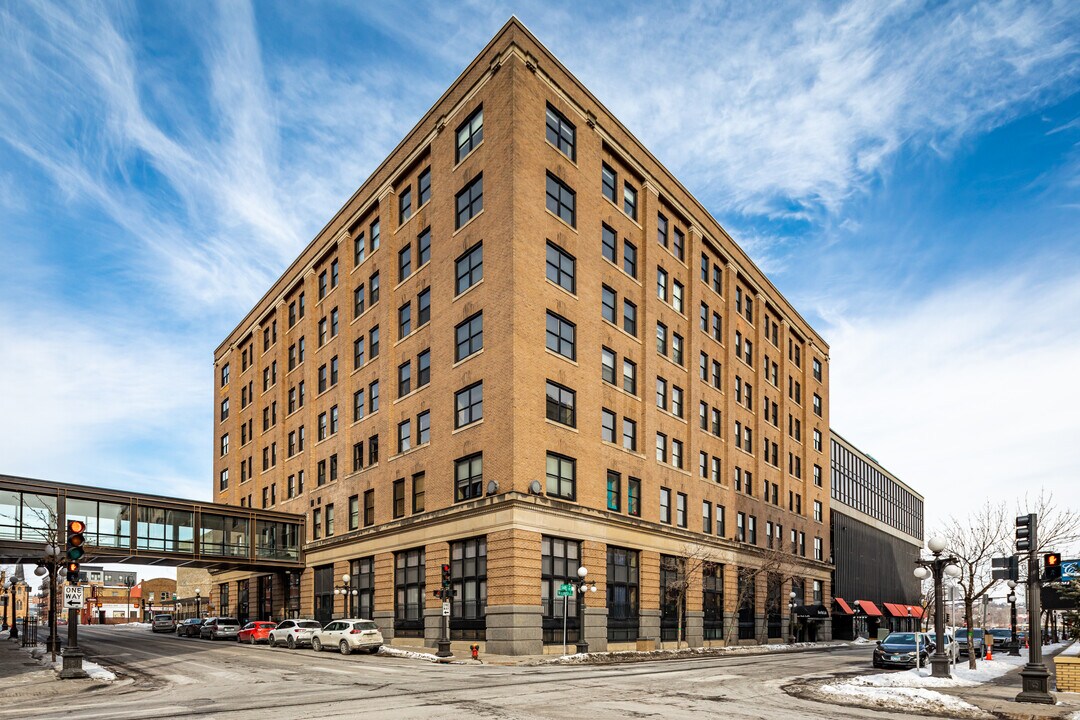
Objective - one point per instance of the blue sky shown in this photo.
(906, 173)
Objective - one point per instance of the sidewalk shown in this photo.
(998, 696)
(20, 675)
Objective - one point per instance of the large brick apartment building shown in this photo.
(519, 348)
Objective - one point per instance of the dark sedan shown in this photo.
(899, 648)
(189, 627)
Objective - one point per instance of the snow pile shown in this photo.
(861, 641)
(133, 625)
(95, 671)
(961, 676)
(1071, 651)
(413, 655)
(638, 655)
(904, 699)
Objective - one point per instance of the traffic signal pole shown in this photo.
(1036, 680)
(73, 656)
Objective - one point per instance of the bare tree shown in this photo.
(1059, 527)
(975, 540)
(688, 566)
(771, 563)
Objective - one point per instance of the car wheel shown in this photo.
(344, 647)
(316, 644)
(291, 642)
(251, 639)
(375, 650)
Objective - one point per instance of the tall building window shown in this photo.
(409, 593)
(608, 182)
(665, 505)
(561, 476)
(468, 580)
(633, 496)
(680, 509)
(369, 508)
(614, 491)
(662, 229)
(561, 335)
(418, 493)
(630, 200)
(629, 317)
(470, 201)
(354, 514)
(404, 436)
(423, 247)
(560, 267)
(469, 337)
(404, 320)
(559, 561)
(399, 497)
(561, 133)
(608, 301)
(712, 601)
(629, 434)
(423, 307)
(404, 262)
(560, 404)
(469, 405)
(623, 594)
(607, 425)
(363, 582)
(423, 427)
(468, 477)
(608, 242)
(630, 258)
(629, 376)
(469, 134)
(470, 268)
(423, 186)
(607, 365)
(405, 205)
(561, 200)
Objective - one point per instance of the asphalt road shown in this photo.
(168, 677)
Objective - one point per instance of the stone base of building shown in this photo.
(515, 630)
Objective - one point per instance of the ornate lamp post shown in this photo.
(48, 566)
(1014, 641)
(347, 593)
(198, 603)
(938, 566)
(582, 587)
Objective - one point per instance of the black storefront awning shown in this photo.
(811, 612)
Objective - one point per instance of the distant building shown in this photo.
(109, 595)
(876, 526)
(193, 592)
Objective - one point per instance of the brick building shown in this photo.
(522, 347)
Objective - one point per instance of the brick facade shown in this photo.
(513, 81)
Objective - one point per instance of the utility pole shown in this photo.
(1036, 687)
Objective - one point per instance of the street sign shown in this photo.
(73, 597)
(446, 609)
(1070, 570)
(565, 590)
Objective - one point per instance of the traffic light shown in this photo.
(1052, 567)
(446, 576)
(1023, 533)
(75, 542)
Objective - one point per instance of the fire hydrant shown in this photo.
(475, 647)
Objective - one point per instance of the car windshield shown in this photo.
(901, 638)
(310, 624)
(365, 625)
(228, 621)
(1001, 633)
(163, 617)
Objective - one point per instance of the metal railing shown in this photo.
(29, 631)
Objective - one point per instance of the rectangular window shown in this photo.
(661, 448)
(561, 335)
(354, 512)
(661, 283)
(677, 453)
(680, 509)
(423, 186)
(662, 229)
(470, 268)
(404, 436)
(404, 320)
(629, 376)
(404, 205)
(560, 267)
(409, 593)
(561, 200)
(469, 201)
(661, 338)
(608, 242)
(629, 434)
(469, 405)
(561, 133)
(706, 517)
(629, 317)
(817, 369)
(608, 302)
(369, 508)
(561, 476)
(423, 247)
(665, 506)
(469, 134)
(614, 491)
(423, 427)
(607, 365)
(633, 496)
(629, 258)
(469, 337)
(423, 368)
(373, 289)
(608, 182)
(418, 493)
(373, 396)
(559, 561)
(404, 262)
(677, 296)
(468, 477)
(630, 200)
(330, 520)
(375, 235)
(678, 245)
(560, 404)
(607, 425)
(399, 497)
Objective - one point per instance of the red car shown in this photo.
(255, 632)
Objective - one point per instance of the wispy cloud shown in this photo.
(965, 394)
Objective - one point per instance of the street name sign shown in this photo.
(565, 590)
(73, 597)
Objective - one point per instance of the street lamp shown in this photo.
(198, 603)
(48, 566)
(346, 592)
(791, 612)
(937, 567)
(1014, 641)
(583, 587)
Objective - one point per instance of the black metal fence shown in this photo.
(29, 631)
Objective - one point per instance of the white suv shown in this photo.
(292, 633)
(348, 635)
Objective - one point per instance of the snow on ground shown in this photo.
(132, 625)
(902, 698)
(635, 655)
(1072, 651)
(95, 671)
(413, 655)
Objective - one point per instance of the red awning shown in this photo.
(917, 611)
(844, 606)
(893, 610)
(869, 608)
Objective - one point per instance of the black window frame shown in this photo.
(558, 268)
(562, 406)
(472, 342)
(475, 134)
(469, 201)
(469, 486)
(561, 481)
(557, 130)
(561, 200)
(557, 335)
(473, 407)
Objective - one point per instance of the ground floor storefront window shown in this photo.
(622, 594)
(324, 593)
(712, 600)
(747, 602)
(292, 594)
(362, 580)
(409, 593)
(560, 560)
(468, 580)
(243, 613)
(671, 596)
(266, 597)
(773, 606)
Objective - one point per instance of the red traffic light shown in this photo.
(76, 526)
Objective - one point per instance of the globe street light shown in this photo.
(582, 587)
(347, 593)
(198, 603)
(937, 567)
(791, 622)
(1014, 641)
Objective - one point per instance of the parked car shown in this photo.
(1001, 636)
(219, 628)
(899, 648)
(348, 635)
(255, 632)
(978, 642)
(189, 627)
(163, 623)
(952, 649)
(293, 633)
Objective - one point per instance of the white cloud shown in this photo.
(966, 394)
